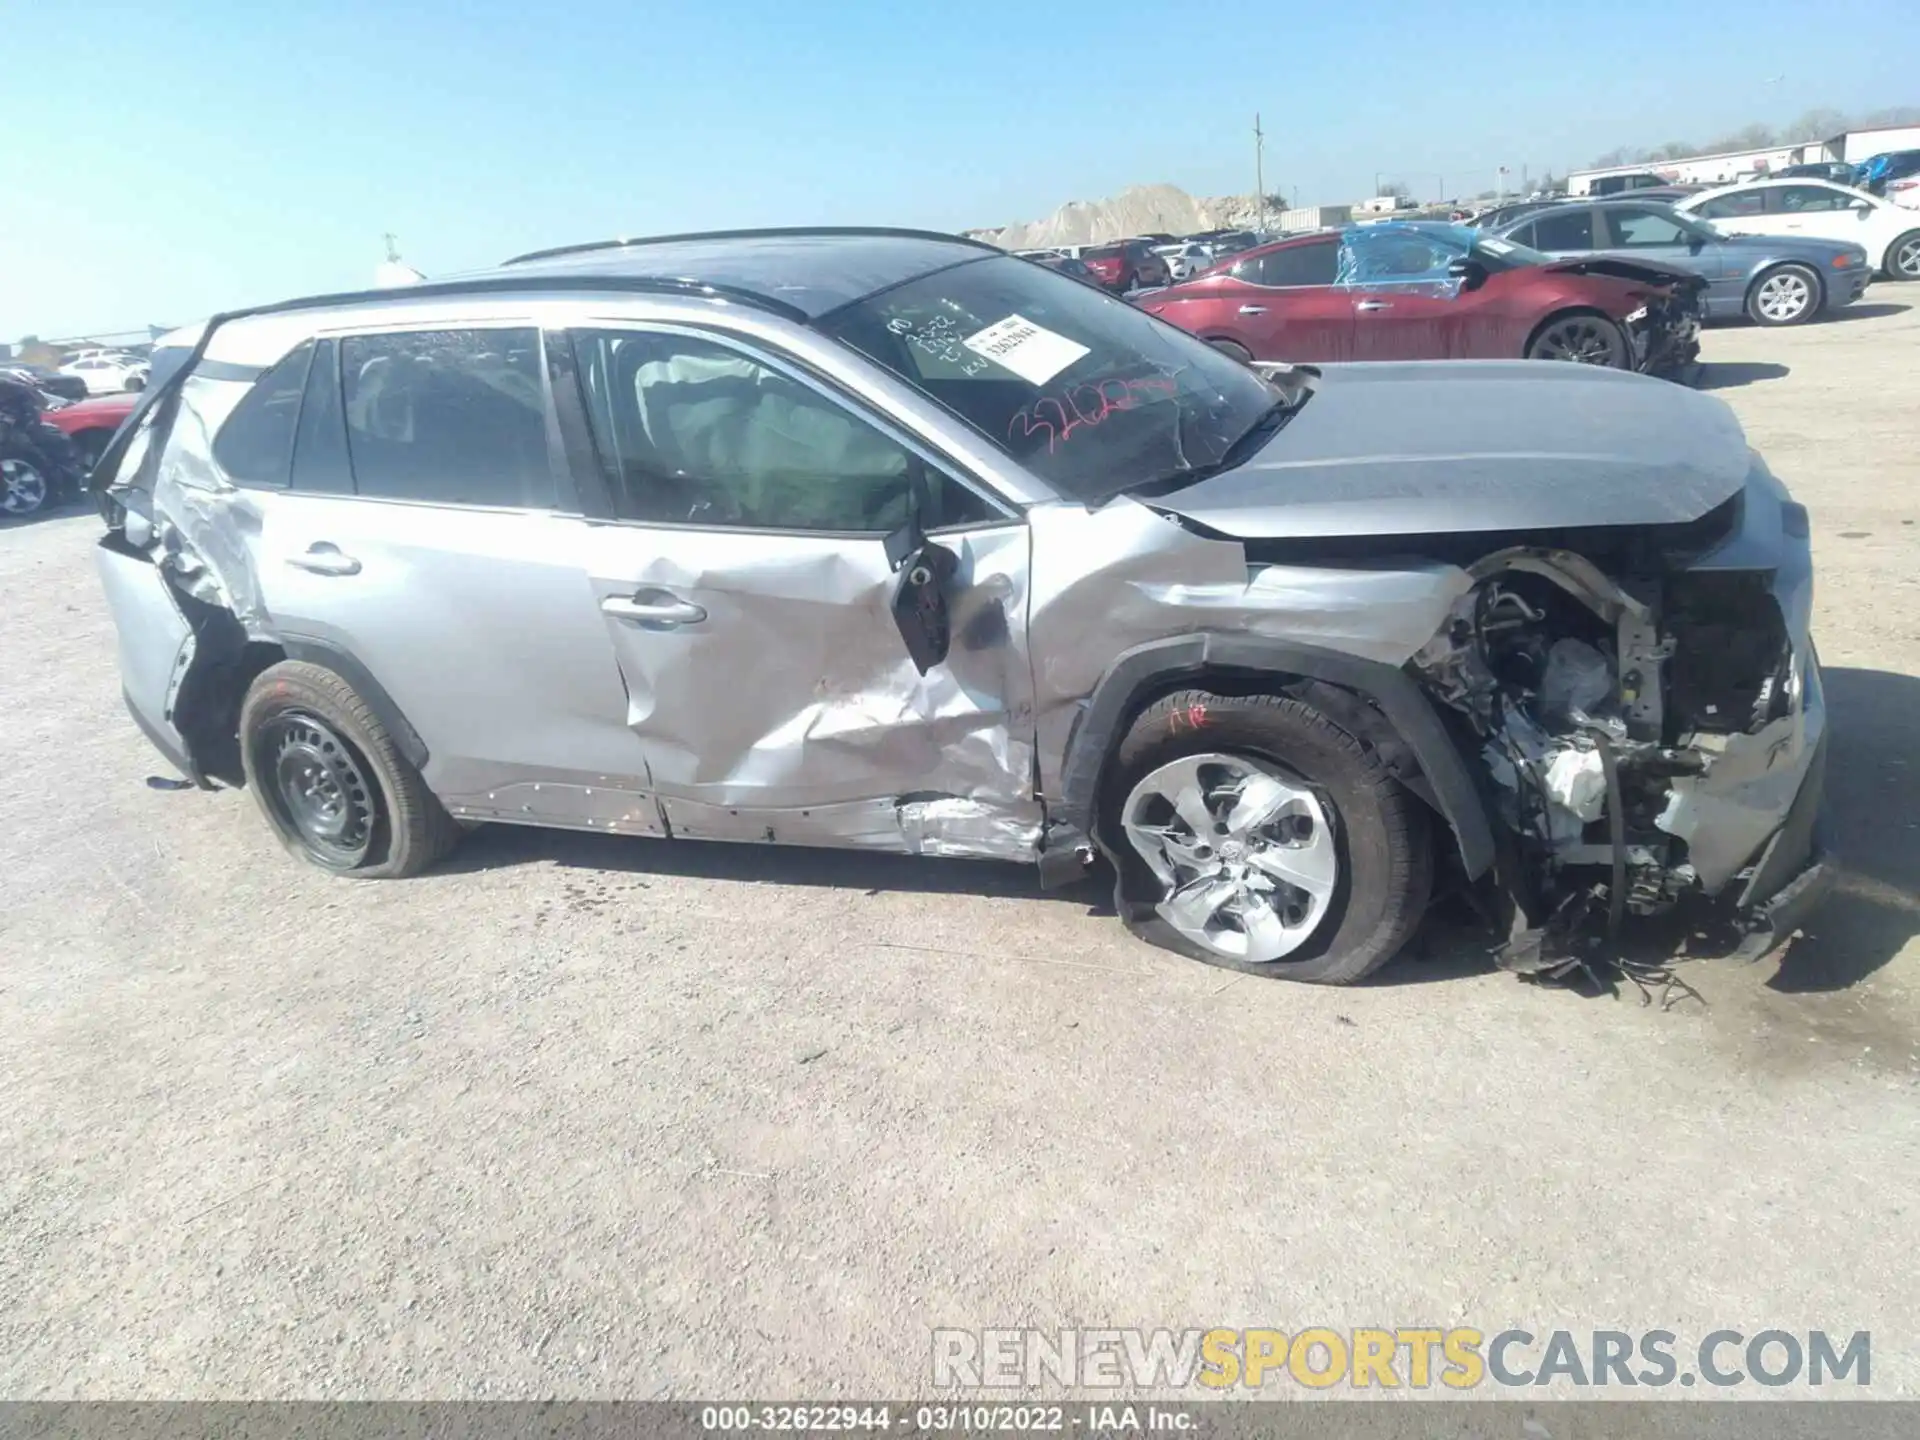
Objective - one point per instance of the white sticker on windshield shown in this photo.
(1030, 351)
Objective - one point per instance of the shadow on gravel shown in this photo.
(1873, 819)
(494, 847)
(53, 510)
(1872, 310)
(1726, 374)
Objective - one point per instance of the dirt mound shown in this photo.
(1137, 210)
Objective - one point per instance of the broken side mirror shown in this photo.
(920, 591)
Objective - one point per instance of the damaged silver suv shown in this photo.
(893, 542)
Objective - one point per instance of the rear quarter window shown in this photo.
(255, 446)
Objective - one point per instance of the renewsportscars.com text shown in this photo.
(1417, 1357)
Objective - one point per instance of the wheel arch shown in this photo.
(1378, 704)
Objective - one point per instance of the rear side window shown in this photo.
(1296, 265)
(320, 447)
(451, 417)
(1572, 230)
(255, 446)
(1729, 207)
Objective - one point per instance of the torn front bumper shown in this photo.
(1794, 871)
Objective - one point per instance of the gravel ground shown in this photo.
(584, 1116)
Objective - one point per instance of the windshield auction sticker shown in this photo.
(1033, 352)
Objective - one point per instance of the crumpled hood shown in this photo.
(1461, 446)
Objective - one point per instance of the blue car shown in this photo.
(1771, 279)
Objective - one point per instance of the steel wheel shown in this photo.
(1783, 297)
(1904, 261)
(317, 788)
(25, 488)
(1245, 855)
(1583, 339)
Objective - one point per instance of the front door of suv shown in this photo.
(417, 531)
(741, 570)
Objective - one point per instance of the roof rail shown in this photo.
(634, 242)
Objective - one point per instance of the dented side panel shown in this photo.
(156, 645)
(791, 694)
(1122, 576)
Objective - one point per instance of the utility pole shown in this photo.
(1259, 176)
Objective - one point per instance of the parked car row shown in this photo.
(1145, 262)
(1624, 280)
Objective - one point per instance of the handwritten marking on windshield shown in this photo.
(1062, 416)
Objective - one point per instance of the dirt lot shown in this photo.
(582, 1116)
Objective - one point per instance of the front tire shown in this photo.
(1252, 833)
(330, 780)
(1784, 295)
(1582, 338)
(1903, 257)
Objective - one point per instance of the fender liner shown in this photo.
(1449, 784)
(347, 666)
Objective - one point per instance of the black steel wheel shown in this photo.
(1583, 339)
(317, 787)
(331, 779)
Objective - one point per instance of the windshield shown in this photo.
(1090, 394)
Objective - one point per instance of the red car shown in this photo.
(1429, 291)
(1126, 265)
(91, 423)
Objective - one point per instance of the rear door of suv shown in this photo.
(416, 530)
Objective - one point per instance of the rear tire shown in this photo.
(1350, 834)
(330, 780)
(1233, 348)
(1785, 295)
(1903, 257)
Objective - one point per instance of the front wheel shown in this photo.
(1252, 833)
(330, 780)
(1785, 295)
(23, 489)
(1583, 339)
(1903, 257)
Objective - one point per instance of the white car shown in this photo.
(1819, 209)
(1185, 259)
(108, 374)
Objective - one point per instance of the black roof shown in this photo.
(806, 271)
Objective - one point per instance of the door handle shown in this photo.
(323, 558)
(667, 614)
(1366, 305)
(1253, 309)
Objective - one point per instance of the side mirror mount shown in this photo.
(1469, 272)
(922, 569)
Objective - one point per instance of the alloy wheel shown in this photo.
(1785, 296)
(24, 489)
(1906, 259)
(318, 788)
(1245, 855)
(1581, 338)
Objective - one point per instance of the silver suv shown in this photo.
(893, 542)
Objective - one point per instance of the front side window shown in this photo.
(255, 446)
(1807, 199)
(691, 432)
(1092, 395)
(451, 417)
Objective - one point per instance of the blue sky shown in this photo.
(164, 160)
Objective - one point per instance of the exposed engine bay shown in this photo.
(1602, 710)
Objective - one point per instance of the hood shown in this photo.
(1498, 445)
(1646, 272)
